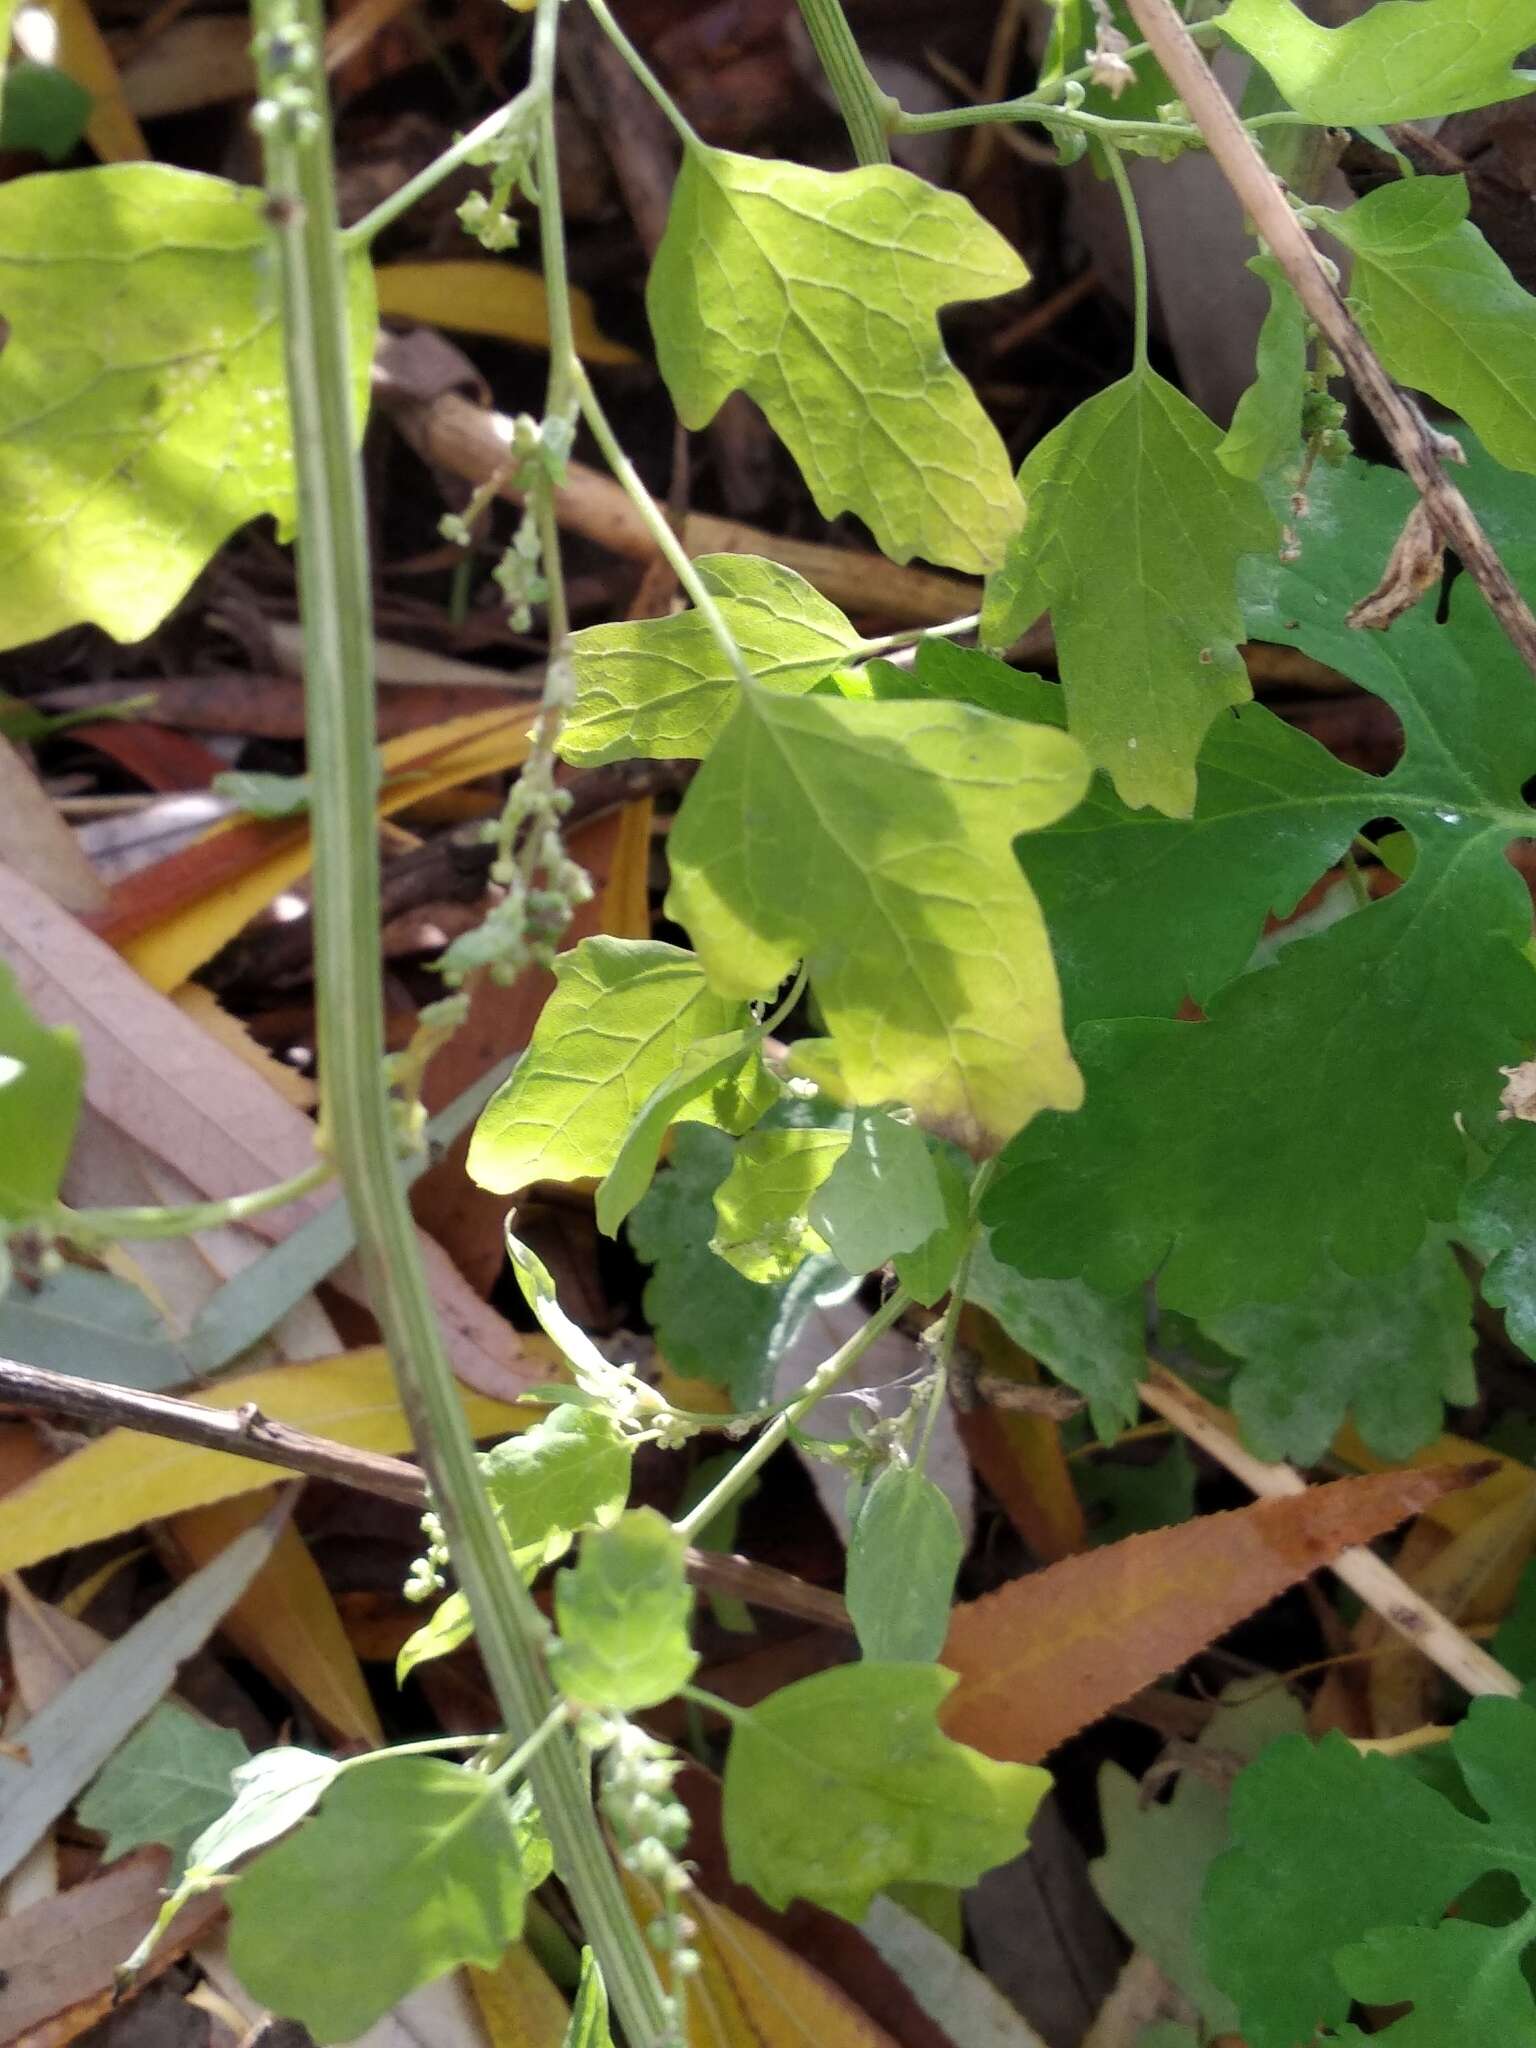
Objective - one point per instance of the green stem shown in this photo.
(89, 1228)
(820, 1383)
(866, 109)
(914, 636)
(644, 73)
(949, 1329)
(1122, 183)
(336, 609)
(388, 211)
(517, 1763)
(667, 542)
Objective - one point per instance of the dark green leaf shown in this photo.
(709, 1322)
(1266, 427)
(928, 1273)
(1157, 1173)
(1095, 1343)
(1465, 1982)
(167, 1784)
(1388, 1351)
(45, 110)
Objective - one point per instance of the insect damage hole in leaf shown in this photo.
(142, 408)
(817, 293)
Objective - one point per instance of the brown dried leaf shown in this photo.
(1045, 1655)
(1415, 564)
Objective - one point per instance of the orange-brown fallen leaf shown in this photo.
(1045, 1655)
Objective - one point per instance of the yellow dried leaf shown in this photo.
(626, 906)
(519, 2006)
(437, 757)
(487, 296)
(123, 1478)
(286, 1622)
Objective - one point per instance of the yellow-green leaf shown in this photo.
(880, 851)
(817, 293)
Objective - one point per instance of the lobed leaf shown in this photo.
(1498, 1215)
(411, 1867)
(1132, 537)
(1401, 60)
(569, 1471)
(1442, 310)
(817, 293)
(663, 688)
(761, 1224)
(879, 1794)
(169, 1780)
(143, 415)
(880, 835)
(623, 1014)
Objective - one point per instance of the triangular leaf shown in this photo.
(881, 1197)
(816, 292)
(167, 1783)
(623, 1612)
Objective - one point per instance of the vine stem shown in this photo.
(1263, 198)
(820, 1383)
(1122, 183)
(336, 611)
(644, 73)
(949, 1328)
(667, 543)
(365, 231)
(1398, 1604)
(91, 1227)
(867, 111)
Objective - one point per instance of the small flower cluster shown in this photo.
(651, 1824)
(287, 64)
(425, 1577)
(509, 156)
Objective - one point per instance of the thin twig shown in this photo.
(1362, 1570)
(247, 1433)
(1417, 446)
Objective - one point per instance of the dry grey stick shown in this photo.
(247, 1433)
(1418, 447)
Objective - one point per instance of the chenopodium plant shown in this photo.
(995, 898)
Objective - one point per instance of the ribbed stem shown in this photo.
(866, 109)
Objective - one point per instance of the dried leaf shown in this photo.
(1415, 564)
(286, 1622)
(1046, 1655)
(123, 1479)
(485, 296)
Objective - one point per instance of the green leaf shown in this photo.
(1442, 311)
(1331, 1845)
(761, 1226)
(1145, 910)
(265, 796)
(903, 1555)
(589, 2015)
(709, 1322)
(817, 293)
(928, 1273)
(881, 834)
(1465, 1982)
(45, 110)
(623, 1612)
(410, 1868)
(709, 1064)
(42, 1079)
(447, 1629)
(1157, 1855)
(1266, 427)
(881, 1197)
(167, 1784)
(843, 1783)
(1157, 1173)
(129, 455)
(1094, 1343)
(1498, 1216)
(1132, 539)
(1402, 60)
(80, 1321)
(569, 1471)
(623, 1014)
(662, 687)
(1388, 1351)
(1123, 1498)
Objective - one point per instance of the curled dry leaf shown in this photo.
(1415, 564)
(1045, 1655)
